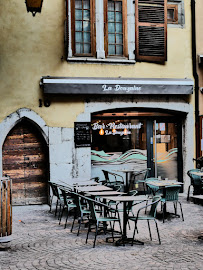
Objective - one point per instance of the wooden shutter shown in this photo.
(151, 30)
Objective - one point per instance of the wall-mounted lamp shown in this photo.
(34, 6)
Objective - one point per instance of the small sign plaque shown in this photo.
(82, 134)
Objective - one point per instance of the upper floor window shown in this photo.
(82, 17)
(175, 13)
(115, 27)
(119, 31)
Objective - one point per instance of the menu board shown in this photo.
(82, 134)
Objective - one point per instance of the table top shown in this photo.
(127, 170)
(106, 193)
(94, 188)
(86, 183)
(197, 173)
(125, 198)
(164, 183)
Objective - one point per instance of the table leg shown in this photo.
(124, 239)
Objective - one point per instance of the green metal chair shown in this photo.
(80, 212)
(140, 177)
(195, 181)
(150, 216)
(58, 195)
(151, 189)
(112, 179)
(97, 220)
(171, 194)
(68, 203)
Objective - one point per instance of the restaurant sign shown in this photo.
(127, 86)
(115, 129)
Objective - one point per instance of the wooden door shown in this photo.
(25, 160)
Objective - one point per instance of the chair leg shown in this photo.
(95, 237)
(60, 218)
(175, 207)
(188, 193)
(56, 207)
(163, 210)
(73, 223)
(112, 229)
(134, 232)
(89, 228)
(66, 218)
(149, 230)
(157, 231)
(181, 210)
(59, 214)
(80, 221)
(51, 200)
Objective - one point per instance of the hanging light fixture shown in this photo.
(34, 6)
(125, 132)
(101, 132)
(113, 130)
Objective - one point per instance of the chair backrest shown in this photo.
(151, 189)
(106, 175)
(54, 189)
(92, 210)
(132, 192)
(111, 177)
(172, 193)
(195, 179)
(156, 199)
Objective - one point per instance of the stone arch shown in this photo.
(11, 120)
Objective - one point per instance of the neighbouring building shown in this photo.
(198, 62)
(89, 85)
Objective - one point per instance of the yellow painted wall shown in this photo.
(31, 47)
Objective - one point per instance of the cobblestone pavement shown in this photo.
(39, 242)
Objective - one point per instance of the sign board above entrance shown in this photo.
(126, 86)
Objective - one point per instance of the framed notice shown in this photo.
(82, 134)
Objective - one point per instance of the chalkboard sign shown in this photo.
(82, 134)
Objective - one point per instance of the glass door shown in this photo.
(166, 149)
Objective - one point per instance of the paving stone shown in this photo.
(40, 243)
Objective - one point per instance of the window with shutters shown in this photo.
(115, 28)
(117, 31)
(151, 30)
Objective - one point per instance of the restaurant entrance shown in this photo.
(138, 140)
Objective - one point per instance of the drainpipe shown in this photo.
(196, 78)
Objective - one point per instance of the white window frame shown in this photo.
(100, 52)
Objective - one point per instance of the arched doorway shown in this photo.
(26, 161)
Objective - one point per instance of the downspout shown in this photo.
(196, 78)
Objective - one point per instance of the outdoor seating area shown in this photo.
(89, 225)
(100, 208)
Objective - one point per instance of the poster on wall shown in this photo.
(82, 134)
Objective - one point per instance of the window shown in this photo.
(175, 13)
(172, 13)
(115, 37)
(117, 31)
(82, 17)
